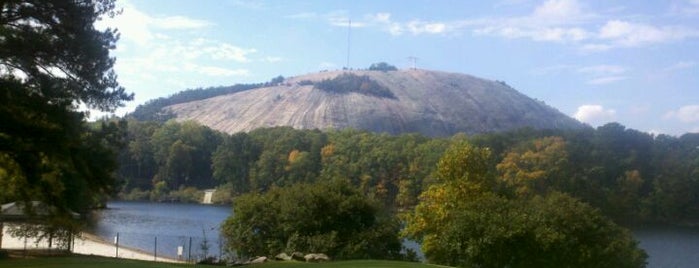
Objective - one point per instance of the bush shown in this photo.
(347, 82)
(382, 66)
(332, 218)
(305, 83)
(187, 195)
(136, 194)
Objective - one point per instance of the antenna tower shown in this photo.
(413, 61)
(349, 30)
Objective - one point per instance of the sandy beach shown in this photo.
(86, 244)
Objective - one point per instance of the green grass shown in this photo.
(348, 264)
(83, 262)
(103, 262)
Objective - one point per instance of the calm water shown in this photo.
(138, 224)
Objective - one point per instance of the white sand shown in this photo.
(86, 244)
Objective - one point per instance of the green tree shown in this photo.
(463, 221)
(329, 217)
(233, 160)
(137, 162)
(382, 66)
(52, 61)
(183, 154)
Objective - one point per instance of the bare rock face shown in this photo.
(428, 102)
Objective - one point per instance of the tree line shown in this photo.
(631, 176)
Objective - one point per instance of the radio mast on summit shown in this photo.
(413, 61)
(349, 30)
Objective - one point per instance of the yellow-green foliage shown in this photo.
(468, 220)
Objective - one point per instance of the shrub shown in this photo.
(347, 82)
(329, 217)
(382, 66)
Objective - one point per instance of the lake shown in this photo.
(139, 223)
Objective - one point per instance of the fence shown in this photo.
(178, 247)
(129, 245)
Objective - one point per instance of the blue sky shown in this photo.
(632, 62)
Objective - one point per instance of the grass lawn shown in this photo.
(103, 262)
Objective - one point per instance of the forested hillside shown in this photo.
(153, 109)
(631, 176)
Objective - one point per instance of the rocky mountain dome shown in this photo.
(432, 103)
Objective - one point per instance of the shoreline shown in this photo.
(86, 244)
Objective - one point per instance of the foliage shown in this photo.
(630, 176)
(233, 160)
(186, 195)
(52, 60)
(465, 221)
(348, 82)
(275, 81)
(328, 217)
(382, 66)
(305, 83)
(152, 110)
(136, 194)
(183, 154)
(534, 167)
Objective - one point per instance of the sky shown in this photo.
(632, 62)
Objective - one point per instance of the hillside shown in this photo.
(429, 102)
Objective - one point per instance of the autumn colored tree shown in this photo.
(535, 167)
(463, 221)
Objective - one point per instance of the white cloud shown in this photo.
(620, 34)
(249, 4)
(559, 21)
(137, 26)
(685, 114)
(606, 80)
(272, 59)
(417, 27)
(552, 21)
(383, 21)
(596, 47)
(682, 65)
(602, 69)
(554, 69)
(224, 51)
(153, 47)
(603, 74)
(558, 10)
(217, 71)
(179, 23)
(560, 34)
(594, 114)
(685, 8)
(340, 18)
(302, 15)
(380, 17)
(548, 22)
